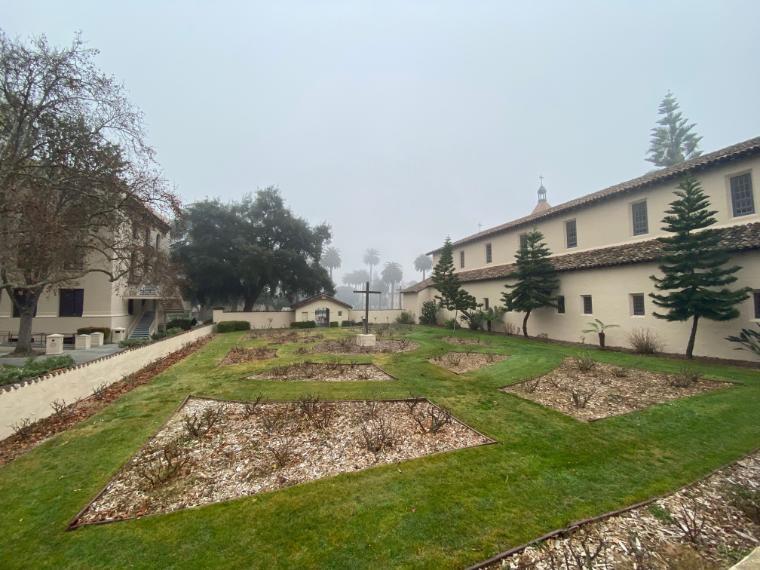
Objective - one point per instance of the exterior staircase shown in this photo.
(142, 329)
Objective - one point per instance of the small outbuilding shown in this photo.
(322, 309)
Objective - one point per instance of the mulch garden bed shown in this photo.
(463, 362)
(240, 355)
(278, 336)
(589, 390)
(324, 372)
(212, 451)
(29, 435)
(710, 524)
(348, 345)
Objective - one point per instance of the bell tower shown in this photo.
(542, 204)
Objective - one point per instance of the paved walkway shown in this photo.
(751, 562)
(79, 356)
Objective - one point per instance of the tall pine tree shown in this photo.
(535, 278)
(694, 264)
(673, 140)
(452, 297)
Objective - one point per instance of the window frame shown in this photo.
(633, 297)
(77, 305)
(756, 303)
(489, 252)
(461, 259)
(522, 241)
(561, 306)
(730, 190)
(633, 217)
(590, 299)
(573, 221)
(486, 303)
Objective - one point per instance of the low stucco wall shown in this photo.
(33, 400)
(283, 319)
(258, 319)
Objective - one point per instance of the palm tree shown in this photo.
(392, 274)
(331, 259)
(371, 258)
(423, 263)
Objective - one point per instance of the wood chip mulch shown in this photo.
(237, 449)
(324, 372)
(39, 431)
(348, 345)
(462, 340)
(711, 524)
(240, 355)
(463, 362)
(605, 390)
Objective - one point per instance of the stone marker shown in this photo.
(366, 339)
(82, 342)
(96, 339)
(54, 344)
(118, 334)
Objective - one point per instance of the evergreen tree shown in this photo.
(535, 278)
(452, 297)
(693, 263)
(672, 140)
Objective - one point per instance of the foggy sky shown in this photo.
(402, 122)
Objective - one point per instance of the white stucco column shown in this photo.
(54, 344)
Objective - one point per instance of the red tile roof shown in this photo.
(735, 238)
(734, 152)
(321, 297)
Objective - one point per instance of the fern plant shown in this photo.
(598, 327)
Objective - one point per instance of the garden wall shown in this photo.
(282, 319)
(33, 400)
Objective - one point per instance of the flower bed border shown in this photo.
(73, 523)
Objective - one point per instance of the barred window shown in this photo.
(742, 200)
(461, 259)
(639, 215)
(638, 308)
(489, 253)
(588, 305)
(560, 303)
(523, 241)
(571, 232)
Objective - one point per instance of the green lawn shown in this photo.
(444, 511)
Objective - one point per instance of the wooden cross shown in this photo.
(367, 292)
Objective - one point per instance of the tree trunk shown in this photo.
(692, 337)
(393, 295)
(24, 344)
(248, 303)
(525, 324)
(601, 339)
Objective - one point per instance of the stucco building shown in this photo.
(605, 248)
(132, 303)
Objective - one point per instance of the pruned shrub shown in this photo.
(685, 378)
(199, 424)
(273, 420)
(22, 428)
(319, 414)
(584, 362)
(303, 325)
(232, 326)
(184, 324)
(645, 341)
(405, 318)
(691, 519)
(581, 398)
(60, 408)
(378, 434)
(282, 452)
(164, 465)
(746, 500)
(253, 407)
(99, 391)
(429, 313)
(133, 342)
(432, 419)
(619, 372)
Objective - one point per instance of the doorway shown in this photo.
(322, 317)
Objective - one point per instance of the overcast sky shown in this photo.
(402, 122)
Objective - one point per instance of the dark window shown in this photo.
(489, 256)
(588, 305)
(158, 241)
(523, 240)
(640, 221)
(19, 294)
(560, 303)
(637, 304)
(461, 259)
(70, 302)
(486, 306)
(742, 201)
(571, 233)
(757, 304)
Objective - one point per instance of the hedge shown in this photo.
(184, 324)
(231, 326)
(303, 325)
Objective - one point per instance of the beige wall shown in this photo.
(608, 222)
(338, 312)
(258, 319)
(378, 317)
(282, 319)
(610, 289)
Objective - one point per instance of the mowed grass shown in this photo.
(444, 511)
